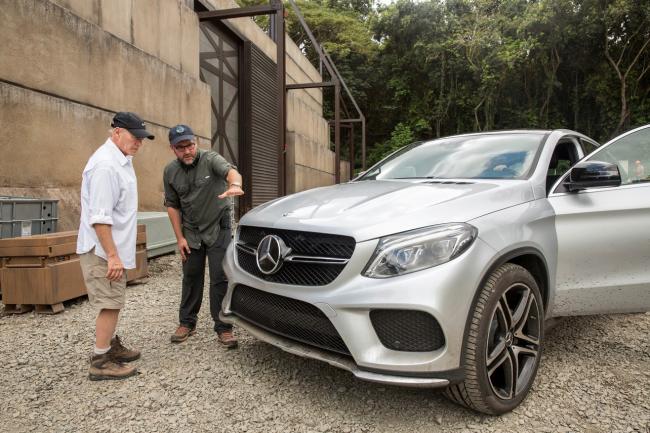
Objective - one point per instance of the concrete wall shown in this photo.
(61, 83)
(66, 66)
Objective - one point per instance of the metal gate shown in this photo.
(220, 69)
(244, 104)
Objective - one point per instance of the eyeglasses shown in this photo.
(182, 149)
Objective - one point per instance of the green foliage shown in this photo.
(469, 65)
(423, 69)
(400, 137)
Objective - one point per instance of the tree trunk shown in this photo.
(625, 112)
(576, 105)
(554, 60)
(477, 123)
(622, 76)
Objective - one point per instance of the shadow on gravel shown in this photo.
(575, 344)
(331, 390)
(591, 337)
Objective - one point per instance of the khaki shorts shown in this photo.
(102, 293)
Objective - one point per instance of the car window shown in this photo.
(631, 153)
(588, 146)
(476, 156)
(564, 156)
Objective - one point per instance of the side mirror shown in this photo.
(593, 174)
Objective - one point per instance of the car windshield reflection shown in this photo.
(477, 156)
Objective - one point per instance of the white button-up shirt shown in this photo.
(109, 195)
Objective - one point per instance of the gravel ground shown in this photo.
(594, 377)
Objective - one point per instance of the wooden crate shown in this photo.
(141, 267)
(141, 270)
(43, 271)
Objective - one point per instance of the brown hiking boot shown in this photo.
(228, 339)
(120, 353)
(182, 333)
(103, 367)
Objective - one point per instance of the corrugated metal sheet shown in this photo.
(264, 123)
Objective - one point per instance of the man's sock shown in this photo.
(99, 351)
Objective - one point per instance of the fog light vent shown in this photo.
(407, 330)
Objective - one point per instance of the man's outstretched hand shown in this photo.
(232, 191)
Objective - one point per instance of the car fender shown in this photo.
(494, 264)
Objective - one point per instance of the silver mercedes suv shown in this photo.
(439, 266)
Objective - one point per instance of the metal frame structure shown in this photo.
(277, 9)
(336, 80)
(217, 64)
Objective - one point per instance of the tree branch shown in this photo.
(647, 68)
(638, 54)
(611, 60)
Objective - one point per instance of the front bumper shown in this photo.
(333, 359)
(446, 292)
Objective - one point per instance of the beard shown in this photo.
(189, 160)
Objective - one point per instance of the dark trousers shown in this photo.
(194, 276)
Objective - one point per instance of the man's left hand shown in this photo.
(232, 191)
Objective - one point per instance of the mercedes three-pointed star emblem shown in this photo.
(270, 253)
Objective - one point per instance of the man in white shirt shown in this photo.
(107, 236)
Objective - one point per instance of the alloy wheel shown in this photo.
(513, 345)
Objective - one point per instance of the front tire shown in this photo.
(504, 344)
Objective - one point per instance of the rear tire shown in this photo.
(504, 343)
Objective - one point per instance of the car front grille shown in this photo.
(407, 330)
(307, 244)
(288, 317)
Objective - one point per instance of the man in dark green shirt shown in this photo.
(198, 185)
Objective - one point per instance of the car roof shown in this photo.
(518, 131)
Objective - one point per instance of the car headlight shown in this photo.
(419, 249)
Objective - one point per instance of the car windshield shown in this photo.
(478, 156)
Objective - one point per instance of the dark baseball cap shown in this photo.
(132, 123)
(180, 133)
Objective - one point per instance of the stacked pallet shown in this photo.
(42, 271)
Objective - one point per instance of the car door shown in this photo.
(603, 257)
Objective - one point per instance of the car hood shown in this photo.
(371, 209)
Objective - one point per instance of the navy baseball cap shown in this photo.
(180, 133)
(132, 123)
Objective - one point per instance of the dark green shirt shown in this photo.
(193, 189)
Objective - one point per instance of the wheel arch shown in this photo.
(533, 261)
(530, 259)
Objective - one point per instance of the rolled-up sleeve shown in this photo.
(171, 196)
(220, 166)
(103, 195)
